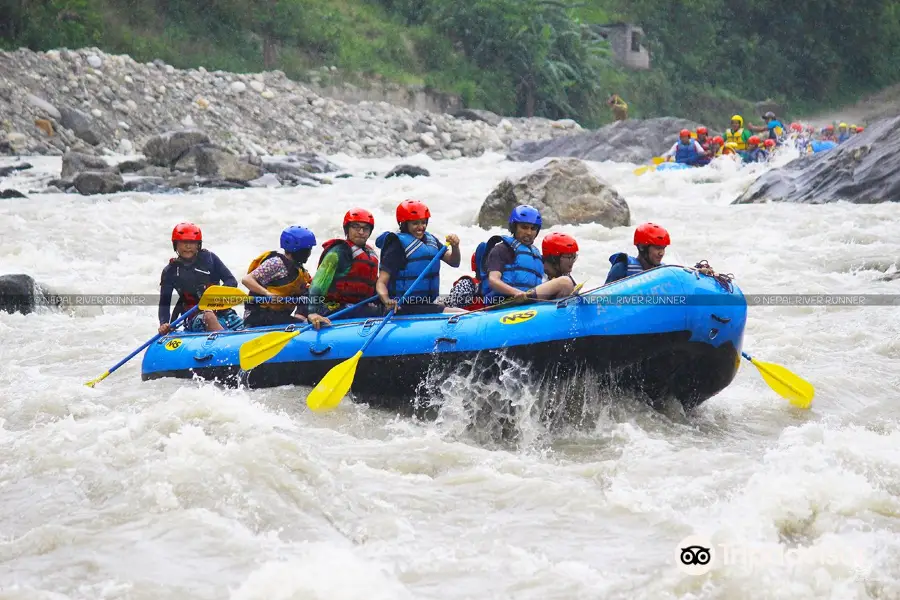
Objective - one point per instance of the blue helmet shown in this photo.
(525, 214)
(296, 238)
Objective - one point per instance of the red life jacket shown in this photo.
(359, 282)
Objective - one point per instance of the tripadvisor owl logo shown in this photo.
(694, 555)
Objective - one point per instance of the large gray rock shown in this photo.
(864, 170)
(632, 141)
(216, 163)
(98, 182)
(76, 162)
(81, 124)
(166, 149)
(564, 190)
(20, 293)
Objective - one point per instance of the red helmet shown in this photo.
(684, 133)
(718, 140)
(702, 131)
(412, 210)
(651, 234)
(558, 243)
(796, 127)
(858, 129)
(829, 128)
(474, 262)
(754, 139)
(186, 232)
(769, 143)
(359, 215)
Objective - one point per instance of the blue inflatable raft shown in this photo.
(669, 332)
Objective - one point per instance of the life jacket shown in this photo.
(524, 273)
(191, 280)
(295, 283)
(418, 256)
(359, 282)
(634, 266)
(843, 137)
(736, 137)
(686, 153)
(776, 130)
(755, 155)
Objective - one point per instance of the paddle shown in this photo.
(657, 160)
(265, 347)
(212, 299)
(786, 384)
(334, 386)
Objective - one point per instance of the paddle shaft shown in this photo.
(388, 316)
(174, 324)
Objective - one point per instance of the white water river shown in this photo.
(180, 489)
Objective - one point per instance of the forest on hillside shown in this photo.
(515, 57)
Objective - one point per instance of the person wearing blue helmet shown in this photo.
(513, 263)
(278, 275)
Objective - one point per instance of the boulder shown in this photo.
(218, 164)
(98, 182)
(566, 193)
(472, 114)
(76, 162)
(7, 194)
(408, 170)
(20, 293)
(166, 149)
(864, 170)
(81, 124)
(632, 141)
(6, 171)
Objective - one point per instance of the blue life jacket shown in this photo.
(418, 254)
(524, 273)
(634, 265)
(843, 137)
(686, 153)
(757, 155)
(480, 275)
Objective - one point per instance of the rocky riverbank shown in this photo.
(96, 103)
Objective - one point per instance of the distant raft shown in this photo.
(669, 332)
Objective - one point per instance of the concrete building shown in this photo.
(626, 41)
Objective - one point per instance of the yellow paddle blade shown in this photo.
(220, 297)
(658, 160)
(94, 382)
(334, 386)
(259, 350)
(786, 384)
(641, 170)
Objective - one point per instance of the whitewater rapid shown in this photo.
(179, 489)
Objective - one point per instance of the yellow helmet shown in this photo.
(842, 125)
(852, 126)
(739, 119)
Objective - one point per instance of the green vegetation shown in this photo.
(524, 57)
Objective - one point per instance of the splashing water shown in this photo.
(180, 488)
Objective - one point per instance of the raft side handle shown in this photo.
(445, 339)
(203, 357)
(720, 319)
(212, 336)
(319, 351)
(454, 319)
(713, 333)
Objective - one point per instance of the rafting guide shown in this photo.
(697, 556)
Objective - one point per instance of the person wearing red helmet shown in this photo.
(651, 241)
(405, 255)
(715, 147)
(560, 251)
(754, 153)
(189, 274)
(686, 151)
(346, 273)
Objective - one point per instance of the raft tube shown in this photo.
(669, 332)
(672, 166)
